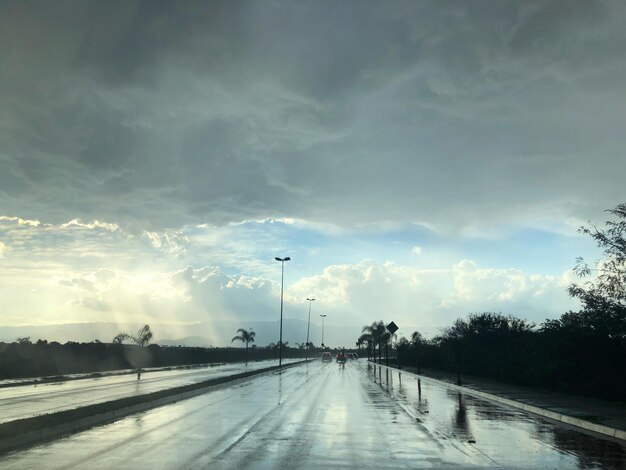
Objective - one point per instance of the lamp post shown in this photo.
(323, 316)
(282, 278)
(308, 328)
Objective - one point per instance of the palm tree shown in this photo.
(120, 338)
(376, 332)
(245, 337)
(142, 338)
(368, 335)
(144, 335)
(365, 338)
(385, 339)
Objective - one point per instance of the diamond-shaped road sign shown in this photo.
(392, 327)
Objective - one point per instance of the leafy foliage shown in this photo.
(120, 338)
(51, 358)
(244, 336)
(609, 284)
(579, 353)
(142, 338)
(376, 335)
(603, 297)
(486, 324)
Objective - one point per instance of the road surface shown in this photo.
(25, 401)
(325, 416)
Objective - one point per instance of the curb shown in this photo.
(73, 425)
(562, 418)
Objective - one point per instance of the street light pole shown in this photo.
(323, 316)
(282, 278)
(308, 328)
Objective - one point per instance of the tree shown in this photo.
(484, 338)
(599, 318)
(142, 338)
(144, 335)
(417, 340)
(120, 338)
(402, 343)
(417, 337)
(609, 284)
(376, 332)
(245, 337)
(385, 338)
(603, 296)
(365, 338)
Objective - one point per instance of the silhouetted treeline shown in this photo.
(580, 353)
(25, 359)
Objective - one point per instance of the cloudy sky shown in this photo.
(417, 160)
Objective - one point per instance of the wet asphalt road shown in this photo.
(326, 416)
(25, 401)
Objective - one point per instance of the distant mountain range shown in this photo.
(218, 333)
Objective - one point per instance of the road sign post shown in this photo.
(392, 328)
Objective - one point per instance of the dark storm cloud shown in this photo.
(166, 113)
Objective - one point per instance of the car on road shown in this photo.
(326, 357)
(341, 357)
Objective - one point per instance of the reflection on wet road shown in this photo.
(326, 416)
(510, 437)
(25, 401)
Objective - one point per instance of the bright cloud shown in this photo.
(89, 225)
(171, 242)
(18, 221)
(128, 277)
(433, 298)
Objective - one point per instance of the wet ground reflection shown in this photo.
(460, 420)
(591, 452)
(327, 417)
(504, 434)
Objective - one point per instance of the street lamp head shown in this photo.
(322, 315)
(282, 259)
(287, 258)
(310, 300)
(278, 259)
